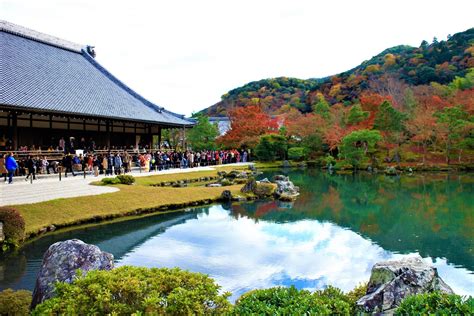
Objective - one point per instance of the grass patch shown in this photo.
(155, 179)
(129, 200)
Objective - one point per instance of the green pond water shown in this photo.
(337, 229)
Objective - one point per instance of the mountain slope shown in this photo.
(394, 68)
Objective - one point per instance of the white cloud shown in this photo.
(185, 54)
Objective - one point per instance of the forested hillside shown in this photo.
(394, 73)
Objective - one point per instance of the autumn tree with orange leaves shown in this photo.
(247, 124)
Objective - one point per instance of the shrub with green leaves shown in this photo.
(328, 160)
(108, 181)
(271, 147)
(436, 303)
(15, 302)
(120, 179)
(355, 294)
(297, 153)
(291, 301)
(126, 179)
(127, 290)
(358, 145)
(13, 227)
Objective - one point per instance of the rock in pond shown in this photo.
(286, 190)
(61, 261)
(391, 281)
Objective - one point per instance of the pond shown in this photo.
(337, 229)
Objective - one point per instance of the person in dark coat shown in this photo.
(110, 164)
(31, 166)
(67, 163)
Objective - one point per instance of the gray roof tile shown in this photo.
(43, 73)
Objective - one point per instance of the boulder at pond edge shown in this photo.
(391, 281)
(60, 263)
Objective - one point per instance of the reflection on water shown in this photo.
(333, 234)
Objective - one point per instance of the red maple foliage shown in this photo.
(304, 125)
(333, 136)
(370, 101)
(247, 124)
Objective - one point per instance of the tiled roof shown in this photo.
(43, 73)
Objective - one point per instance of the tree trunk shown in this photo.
(424, 153)
(447, 151)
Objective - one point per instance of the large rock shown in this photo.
(286, 190)
(61, 261)
(226, 196)
(391, 281)
(236, 174)
(249, 186)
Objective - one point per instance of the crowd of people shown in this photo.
(114, 162)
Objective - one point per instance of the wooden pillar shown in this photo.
(150, 138)
(159, 137)
(107, 133)
(51, 122)
(14, 122)
(184, 137)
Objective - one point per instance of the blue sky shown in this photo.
(185, 55)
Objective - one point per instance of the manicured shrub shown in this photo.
(297, 153)
(110, 181)
(13, 227)
(120, 179)
(226, 182)
(328, 160)
(15, 302)
(127, 290)
(126, 179)
(290, 301)
(436, 303)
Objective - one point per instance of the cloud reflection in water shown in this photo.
(244, 254)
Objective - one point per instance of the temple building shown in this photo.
(52, 88)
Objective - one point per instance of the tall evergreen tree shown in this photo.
(203, 135)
